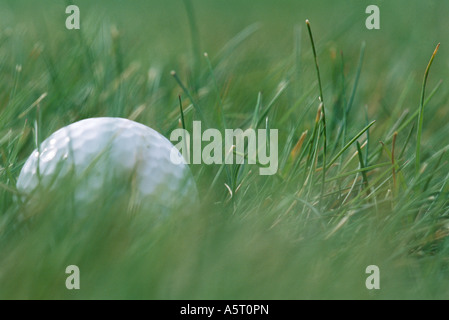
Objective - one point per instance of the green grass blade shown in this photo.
(187, 92)
(350, 143)
(221, 115)
(322, 101)
(421, 114)
(362, 165)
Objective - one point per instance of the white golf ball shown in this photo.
(95, 153)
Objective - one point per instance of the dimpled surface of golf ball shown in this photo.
(95, 153)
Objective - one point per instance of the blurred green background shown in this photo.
(156, 34)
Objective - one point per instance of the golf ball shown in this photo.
(98, 154)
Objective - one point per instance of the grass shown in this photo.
(362, 180)
(421, 112)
